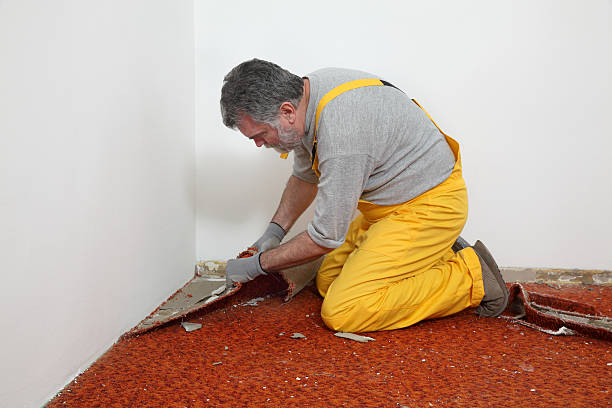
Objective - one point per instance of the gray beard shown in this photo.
(288, 140)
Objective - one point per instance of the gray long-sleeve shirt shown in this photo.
(374, 144)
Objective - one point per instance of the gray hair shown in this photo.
(258, 88)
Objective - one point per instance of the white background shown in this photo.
(102, 211)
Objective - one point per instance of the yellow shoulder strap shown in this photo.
(451, 142)
(359, 83)
(432, 121)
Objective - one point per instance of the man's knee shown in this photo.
(335, 315)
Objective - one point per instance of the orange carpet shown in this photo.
(245, 356)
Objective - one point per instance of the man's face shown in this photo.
(282, 137)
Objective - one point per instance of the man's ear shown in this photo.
(288, 112)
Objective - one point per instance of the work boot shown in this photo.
(460, 244)
(495, 299)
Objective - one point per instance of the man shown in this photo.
(361, 143)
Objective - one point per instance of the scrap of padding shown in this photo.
(354, 337)
(300, 276)
(203, 292)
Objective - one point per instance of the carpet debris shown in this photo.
(355, 337)
(189, 327)
(212, 266)
(211, 299)
(209, 268)
(253, 302)
(298, 336)
(563, 331)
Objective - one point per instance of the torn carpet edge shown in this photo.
(183, 303)
(551, 314)
(200, 294)
(297, 277)
(300, 276)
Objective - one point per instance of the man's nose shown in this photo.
(259, 141)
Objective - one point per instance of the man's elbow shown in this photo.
(317, 249)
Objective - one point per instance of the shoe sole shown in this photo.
(483, 251)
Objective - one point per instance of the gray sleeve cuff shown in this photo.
(320, 239)
(308, 178)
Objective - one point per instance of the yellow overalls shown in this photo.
(396, 266)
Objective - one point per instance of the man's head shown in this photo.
(261, 99)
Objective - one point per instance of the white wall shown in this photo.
(97, 199)
(524, 86)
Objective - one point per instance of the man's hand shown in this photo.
(271, 238)
(243, 270)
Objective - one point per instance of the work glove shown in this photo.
(271, 238)
(243, 270)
